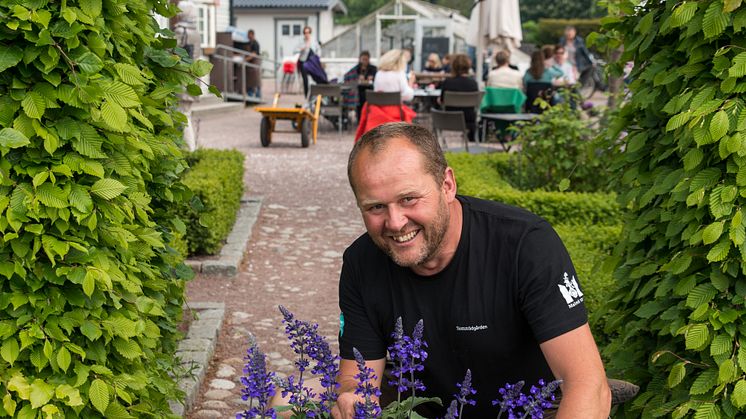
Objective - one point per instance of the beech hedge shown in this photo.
(90, 159)
(216, 178)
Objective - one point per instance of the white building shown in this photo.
(278, 24)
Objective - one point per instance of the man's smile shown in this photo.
(403, 238)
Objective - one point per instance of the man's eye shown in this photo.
(377, 207)
(409, 200)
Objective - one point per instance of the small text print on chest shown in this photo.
(471, 328)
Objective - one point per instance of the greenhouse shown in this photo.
(414, 24)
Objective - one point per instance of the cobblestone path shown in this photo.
(308, 218)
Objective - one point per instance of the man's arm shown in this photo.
(345, 407)
(574, 358)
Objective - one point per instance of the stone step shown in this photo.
(204, 108)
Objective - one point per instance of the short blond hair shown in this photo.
(393, 60)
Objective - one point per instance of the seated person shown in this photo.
(503, 75)
(461, 82)
(391, 75)
(538, 72)
(363, 74)
(561, 63)
(447, 63)
(433, 64)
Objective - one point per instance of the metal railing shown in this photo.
(232, 58)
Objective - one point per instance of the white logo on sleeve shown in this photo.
(571, 291)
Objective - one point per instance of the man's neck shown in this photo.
(448, 246)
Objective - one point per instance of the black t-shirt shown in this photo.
(510, 286)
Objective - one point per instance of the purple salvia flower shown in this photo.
(452, 411)
(509, 399)
(365, 388)
(408, 354)
(310, 346)
(258, 384)
(466, 391)
(539, 399)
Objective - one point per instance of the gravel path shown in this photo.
(307, 219)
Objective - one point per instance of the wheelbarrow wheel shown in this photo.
(264, 133)
(305, 133)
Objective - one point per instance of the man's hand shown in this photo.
(345, 407)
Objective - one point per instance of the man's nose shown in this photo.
(396, 219)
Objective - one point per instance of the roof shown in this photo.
(336, 5)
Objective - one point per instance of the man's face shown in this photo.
(364, 60)
(251, 36)
(570, 34)
(404, 210)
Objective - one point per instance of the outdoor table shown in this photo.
(503, 120)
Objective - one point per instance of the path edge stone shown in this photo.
(196, 349)
(237, 243)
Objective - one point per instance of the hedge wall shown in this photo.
(216, 178)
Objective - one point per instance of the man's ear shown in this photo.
(449, 184)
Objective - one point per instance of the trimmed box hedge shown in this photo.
(216, 178)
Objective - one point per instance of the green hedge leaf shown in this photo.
(98, 393)
(41, 393)
(12, 138)
(739, 394)
(107, 188)
(10, 350)
(696, 336)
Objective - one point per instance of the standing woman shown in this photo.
(307, 46)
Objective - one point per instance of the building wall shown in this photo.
(264, 23)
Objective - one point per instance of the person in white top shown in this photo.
(391, 75)
(503, 75)
(304, 48)
(570, 74)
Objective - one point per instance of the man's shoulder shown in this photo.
(500, 213)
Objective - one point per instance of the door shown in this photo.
(289, 35)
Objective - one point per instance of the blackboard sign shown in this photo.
(436, 44)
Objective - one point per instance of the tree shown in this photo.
(90, 291)
(677, 317)
(560, 9)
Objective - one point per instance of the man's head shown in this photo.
(502, 58)
(404, 189)
(364, 58)
(307, 32)
(570, 33)
(251, 34)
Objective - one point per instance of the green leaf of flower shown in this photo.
(108, 188)
(201, 68)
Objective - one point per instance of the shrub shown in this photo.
(560, 207)
(559, 145)
(476, 172)
(678, 315)
(90, 296)
(551, 30)
(220, 193)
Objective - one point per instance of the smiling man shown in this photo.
(494, 284)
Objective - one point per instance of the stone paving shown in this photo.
(308, 217)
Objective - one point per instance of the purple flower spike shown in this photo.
(452, 411)
(540, 399)
(365, 388)
(258, 384)
(510, 399)
(408, 355)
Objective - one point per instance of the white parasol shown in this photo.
(496, 23)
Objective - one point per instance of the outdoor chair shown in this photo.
(384, 99)
(504, 101)
(334, 109)
(538, 89)
(460, 102)
(449, 121)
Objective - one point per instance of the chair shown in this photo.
(449, 121)
(334, 107)
(500, 100)
(460, 102)
(384, 99)
(537, 89)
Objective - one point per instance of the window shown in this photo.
(286, 29)
(296, 30)
(206, 24)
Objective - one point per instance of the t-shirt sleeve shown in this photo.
(356, 327)
(549, 293)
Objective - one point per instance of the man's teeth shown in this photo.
(406, 237)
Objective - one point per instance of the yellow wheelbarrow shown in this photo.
(302, 119)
